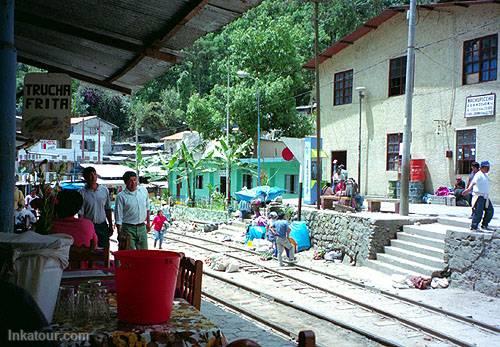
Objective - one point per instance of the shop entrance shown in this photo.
(341, 157)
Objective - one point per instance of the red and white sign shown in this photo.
(48, 145)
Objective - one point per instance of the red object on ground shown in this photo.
(145, 285)
(417, 170)
(287, 154)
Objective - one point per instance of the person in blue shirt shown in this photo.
(281, 230)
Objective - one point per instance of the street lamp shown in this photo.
(361, 93)
(244, 74)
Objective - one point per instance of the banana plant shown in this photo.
(229, 156)
(191, 162)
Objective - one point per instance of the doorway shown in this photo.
(341, 157)
(178, 187)
(223, 185)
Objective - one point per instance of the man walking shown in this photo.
(481, 203)
(281, 230)
(131, 210)
(96, 206)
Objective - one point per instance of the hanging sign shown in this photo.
(480, 105)
(47, 106)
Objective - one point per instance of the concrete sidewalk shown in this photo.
(425, 210)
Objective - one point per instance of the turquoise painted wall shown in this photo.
(275, 169)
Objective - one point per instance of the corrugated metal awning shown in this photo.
(117, 44)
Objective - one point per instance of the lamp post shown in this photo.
(244, 74)
(361, 93)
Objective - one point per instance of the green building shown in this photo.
(275, 171)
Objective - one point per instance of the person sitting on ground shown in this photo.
(69, 202)
(327, 189)
(281, 230)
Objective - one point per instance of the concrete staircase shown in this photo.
(418, 250)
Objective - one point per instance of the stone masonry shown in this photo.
(360, 236)
(474, 260)
(199, 214)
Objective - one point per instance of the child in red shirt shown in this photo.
(158, 224)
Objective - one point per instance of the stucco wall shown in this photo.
(474, 261)
(439, 95)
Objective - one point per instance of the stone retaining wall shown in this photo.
(359, 235)
(474, 261)
(199, 214)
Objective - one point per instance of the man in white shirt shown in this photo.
(96, 206)
(481, 203)
(131, 211)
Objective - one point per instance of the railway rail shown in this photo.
(377, 315)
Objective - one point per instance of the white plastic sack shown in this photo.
(38, 262)
(232, 267)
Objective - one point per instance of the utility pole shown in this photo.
(410, 75)
(228, 184)
(318, 107)
(83, 140)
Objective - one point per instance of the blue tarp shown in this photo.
(300, 233)
(255, 232)
(72, 185)
(266, 193)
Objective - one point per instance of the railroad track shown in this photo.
(379, 316)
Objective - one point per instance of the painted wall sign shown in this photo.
(480, 105)
(48, 145)
(47, 106)
(307, 171)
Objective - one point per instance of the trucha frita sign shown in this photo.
(480, 105)
(47, 106)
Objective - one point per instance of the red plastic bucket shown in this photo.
(417, 170)
(145, 285)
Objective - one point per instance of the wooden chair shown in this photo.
(306, 339)
(79, 255)
(188, 284)
(243, 343)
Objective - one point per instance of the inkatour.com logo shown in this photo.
(22, 335)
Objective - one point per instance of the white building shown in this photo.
(97, 137)
(96, 140)
(454, 102)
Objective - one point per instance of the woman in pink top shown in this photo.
(81, 229)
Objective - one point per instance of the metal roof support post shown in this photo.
(410, 74)
(7, 115)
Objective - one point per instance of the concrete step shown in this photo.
(455, 222)
(416, 257)
(421, 240)
(390, 269)
(419, 248)
(407, 264)
(434, 231)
